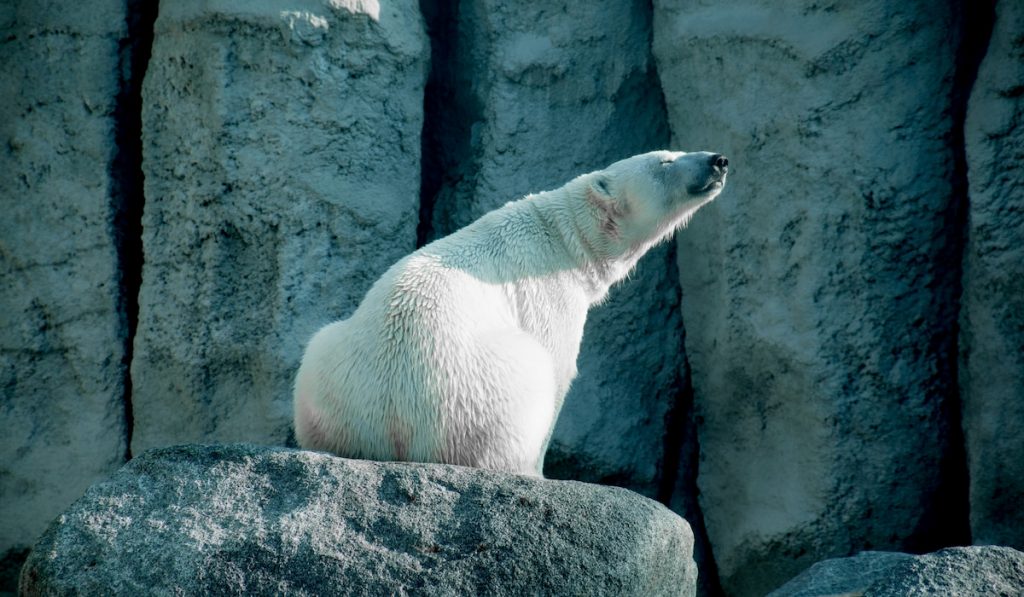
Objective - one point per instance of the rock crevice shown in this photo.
(976, 25)
(127, 183)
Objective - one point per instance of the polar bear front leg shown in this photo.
(519, 400)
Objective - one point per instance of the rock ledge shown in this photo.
(241, 519)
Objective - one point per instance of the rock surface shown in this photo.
(818, 299)
(282, 178)
(992, 310)
(843, 576)
(988, 571)
(520, 108)
(62, 331)
(241, 519)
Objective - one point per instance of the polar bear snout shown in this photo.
(702, 172)
(719, 165)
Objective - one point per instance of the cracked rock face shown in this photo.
(282, 178)
(992, 311)
(62, 333)
(242, 519)
(820, 288)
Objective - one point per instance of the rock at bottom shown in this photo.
(990, 571)
(241, 519)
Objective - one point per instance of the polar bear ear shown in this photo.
(610, 212)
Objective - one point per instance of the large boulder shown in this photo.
(992, 309)
(967, 571)
(282, 178)
(523, 98)
(818, 296)
(63, 330)
(240, 519)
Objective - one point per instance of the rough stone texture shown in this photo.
(818, 299)
(989, 571)
(526, 97)
(282, 174)
(240, 519)
(843, 576)
(992, 311)
(62, 335)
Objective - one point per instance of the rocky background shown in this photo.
(829, 360)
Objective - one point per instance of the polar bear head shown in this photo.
(642, 200)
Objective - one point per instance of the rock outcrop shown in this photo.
(241, 519)
(989, 571)
(282, 178)
(820, 289)
(526, 97)
(63, 329)
(992, 311)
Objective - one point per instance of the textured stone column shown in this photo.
(992, 311)
(282, 178)
(62, 327)
(819, 291)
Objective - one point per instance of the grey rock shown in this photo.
(989, 571)
(240, 519)
(282, 178)
(526, 97)
(843, 576)
(992, 308)
(957, 571)
(62, 331)
(818, 300)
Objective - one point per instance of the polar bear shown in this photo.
(463, 351)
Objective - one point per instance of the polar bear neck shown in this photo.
(542, 236)
(571, 225)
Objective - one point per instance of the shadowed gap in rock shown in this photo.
(679, 478)
(126, 177)
(437, 140)
(952, 514)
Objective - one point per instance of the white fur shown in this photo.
(463, 351)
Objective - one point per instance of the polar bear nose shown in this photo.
(720, 161)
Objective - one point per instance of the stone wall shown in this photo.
(820, 291)
(291, 154)
(282, 178)
(63, 324)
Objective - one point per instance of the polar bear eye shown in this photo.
(667, 161)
